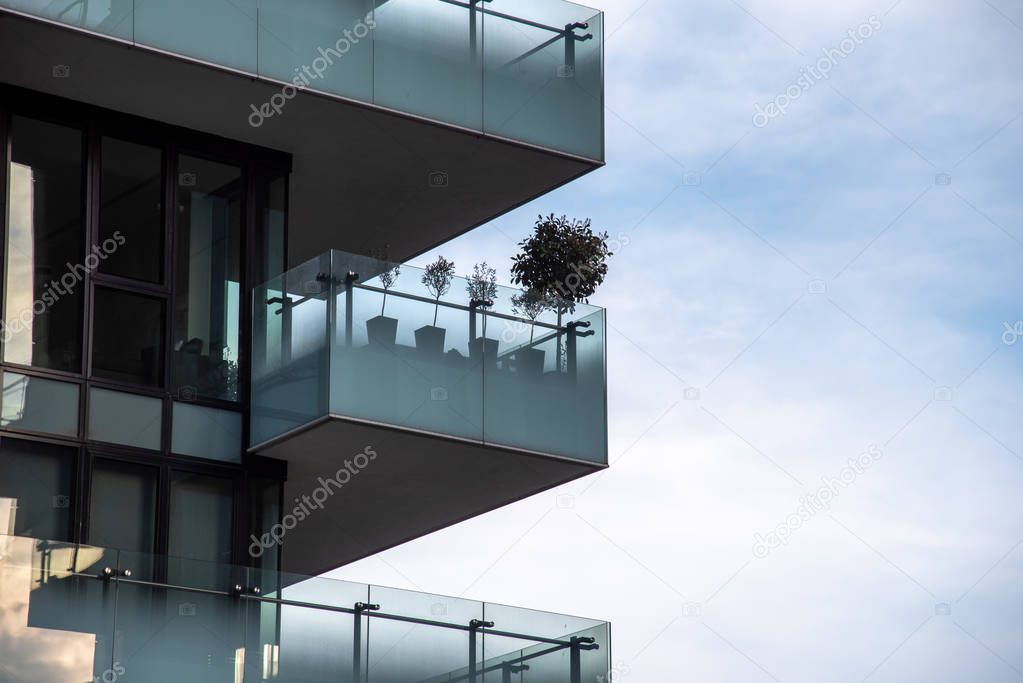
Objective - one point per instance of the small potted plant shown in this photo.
(482, 289)
(437, 279)
(381, 329)
(564, 262)
(530, 303)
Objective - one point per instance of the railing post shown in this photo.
(575, 662)
(350, 279)
(360, 607)
(475, 626)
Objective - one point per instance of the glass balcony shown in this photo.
(71, 613)
(525, 70)
(332, 339)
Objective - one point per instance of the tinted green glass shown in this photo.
(428, 59)
(400, 355)
(217, 31)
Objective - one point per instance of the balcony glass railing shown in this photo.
(76, 613)
(330, 339)
(526, 70)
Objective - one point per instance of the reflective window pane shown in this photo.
(122, 511)
(127, 337)
(131, 210)
(129, 419)
(200, 527)
(44, 263)
(35, 489)
(39, 405)
(207, 299)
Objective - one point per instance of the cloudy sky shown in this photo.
(840, 279)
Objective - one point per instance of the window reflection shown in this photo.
(44, 262)
(207, 282)
(128, 337)
(131, 210)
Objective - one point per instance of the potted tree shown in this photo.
(382, 330)
(530, 303)
(482, 289)
(437, 279)
(564, 262)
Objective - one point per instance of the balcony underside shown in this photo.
(418, 483)
(361, 175)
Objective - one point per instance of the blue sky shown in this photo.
(824, 293)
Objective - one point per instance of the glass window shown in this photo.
(131, 210)
(35, 489)
(128, 419)
(127, 337)
(44, 264)
(206, 432)
(39, 405)
(207, 299)
(200, 526)
(122, 512)
(270, 258)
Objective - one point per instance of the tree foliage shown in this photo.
(563, 261)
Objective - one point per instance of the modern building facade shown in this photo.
(217, 385)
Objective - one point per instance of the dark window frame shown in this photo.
(257, 165)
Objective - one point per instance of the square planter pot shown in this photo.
(483, 350)
(381, 330)
(430, 340)
(530, 361)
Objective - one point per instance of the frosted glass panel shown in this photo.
(429, 60)
(127, 419)
(218, 31)
(326, 44)
(39, 405)
(111, 18)
(206, 432)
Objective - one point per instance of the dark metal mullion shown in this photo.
(5, 160)
(161, 535)
(170, 223)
